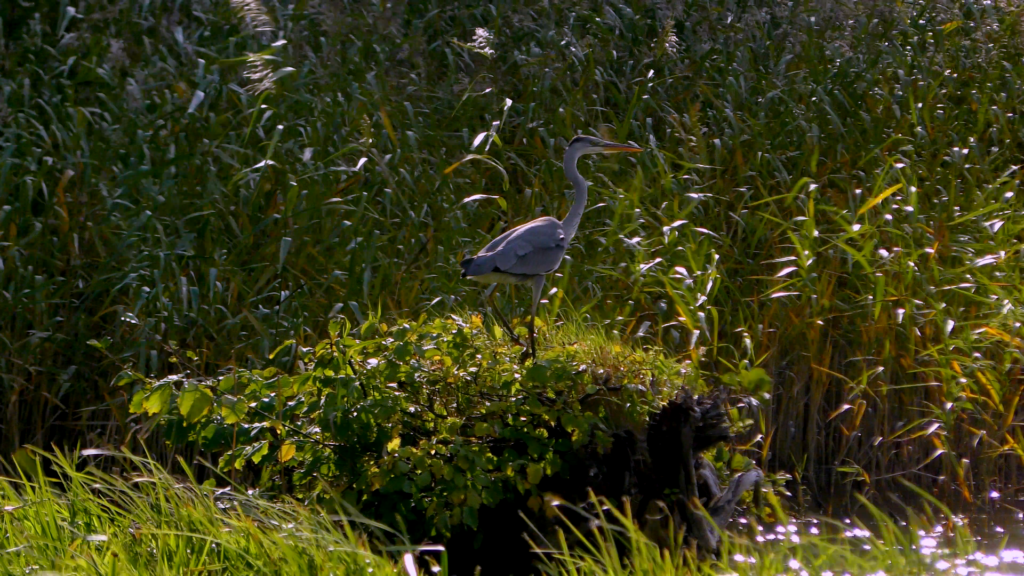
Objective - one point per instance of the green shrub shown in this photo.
(427, 420)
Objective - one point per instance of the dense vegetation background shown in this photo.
(827, 217)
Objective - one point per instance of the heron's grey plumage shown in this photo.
(529, 252)
(535, 248)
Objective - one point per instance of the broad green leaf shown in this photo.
(194, 402)
(403, 352)
(290, 386)
(137, 402)
(232, 409)
(394, 444)
(209, 431)
(257, 451)
(126, 377)
(534, 473)
(233, 459)
(100, 344)
(157, 399)
(538, 373)
(227, 384)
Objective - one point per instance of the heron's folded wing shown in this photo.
(534, 248)
(497, 242)
(538, 261)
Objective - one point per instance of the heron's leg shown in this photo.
(538, 289)
(504, 323)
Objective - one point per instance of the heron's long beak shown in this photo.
(613, 147)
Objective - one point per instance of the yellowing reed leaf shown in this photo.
(1004, 336)
(874, 201)
(387, 125)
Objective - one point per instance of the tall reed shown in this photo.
(827, 217)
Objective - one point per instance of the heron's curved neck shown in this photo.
(572, 219)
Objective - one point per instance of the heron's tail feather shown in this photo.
(477, 265)
(466, 263)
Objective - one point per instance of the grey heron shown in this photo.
(527, 253)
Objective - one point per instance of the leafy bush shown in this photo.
(428, 420)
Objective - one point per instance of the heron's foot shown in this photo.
(516, 340)
(527, 354)
(513, 337)
(529, 351)
(505, 325)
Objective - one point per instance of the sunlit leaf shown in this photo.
(287, 452)
(489, 160)
(256, 452)
(194, 402)
(476, 197)
(227, 384)
(197, 98)
(283, 345)
(281, 73)
(102, 344)
(157, 399)
(233, 409)
(394, 443)
(874, 201)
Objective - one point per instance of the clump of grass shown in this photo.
(612, 544)
(612, 358)
(62, 515)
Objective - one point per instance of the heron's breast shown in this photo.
(501, 278)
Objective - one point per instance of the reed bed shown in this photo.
(827, 217)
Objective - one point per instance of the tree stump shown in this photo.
(682, 478)
(661, 469)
